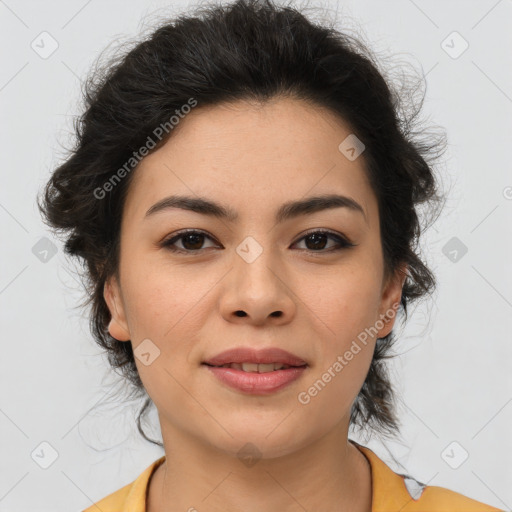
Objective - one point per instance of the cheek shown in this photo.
(344, 304)
(328, 394)
(166, 308)
(161, 302)
(343, 311)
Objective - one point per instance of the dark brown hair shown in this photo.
(251, 50)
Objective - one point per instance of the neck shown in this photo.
(331, 474)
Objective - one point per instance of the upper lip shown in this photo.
(251, 355)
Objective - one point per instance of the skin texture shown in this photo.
(253, 158)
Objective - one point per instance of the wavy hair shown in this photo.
(246, 50)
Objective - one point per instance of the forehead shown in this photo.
(252, 156)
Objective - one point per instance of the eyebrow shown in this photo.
(289, 210)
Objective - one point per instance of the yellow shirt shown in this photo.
(391, 492)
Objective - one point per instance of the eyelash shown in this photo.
(343, 243)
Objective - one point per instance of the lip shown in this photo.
(254, 383)
(251, 355)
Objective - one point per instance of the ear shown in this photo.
(118, 327)
(390, 302)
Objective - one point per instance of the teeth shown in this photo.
(256, 368)
(262, 368)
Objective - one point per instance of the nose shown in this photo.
(257, 291)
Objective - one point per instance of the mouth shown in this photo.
(255, 372)
(256, 367)
(255, 379)
(251, 359)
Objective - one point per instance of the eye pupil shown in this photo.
(315, 237)
(197, 240)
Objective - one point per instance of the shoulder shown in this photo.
(392, 491)
(439, 499)
(112, 501)
(131, 497)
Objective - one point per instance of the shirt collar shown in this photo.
(136, 498)
(389, 489)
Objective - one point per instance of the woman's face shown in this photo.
(257, 281)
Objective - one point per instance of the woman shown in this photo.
(244, 193)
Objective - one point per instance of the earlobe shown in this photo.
(118, 327)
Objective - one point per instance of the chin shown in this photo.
(259, 441)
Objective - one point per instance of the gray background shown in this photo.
(454, 371)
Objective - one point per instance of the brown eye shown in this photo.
(191, 241)
(316, 241)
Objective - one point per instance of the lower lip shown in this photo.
(255, 383)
